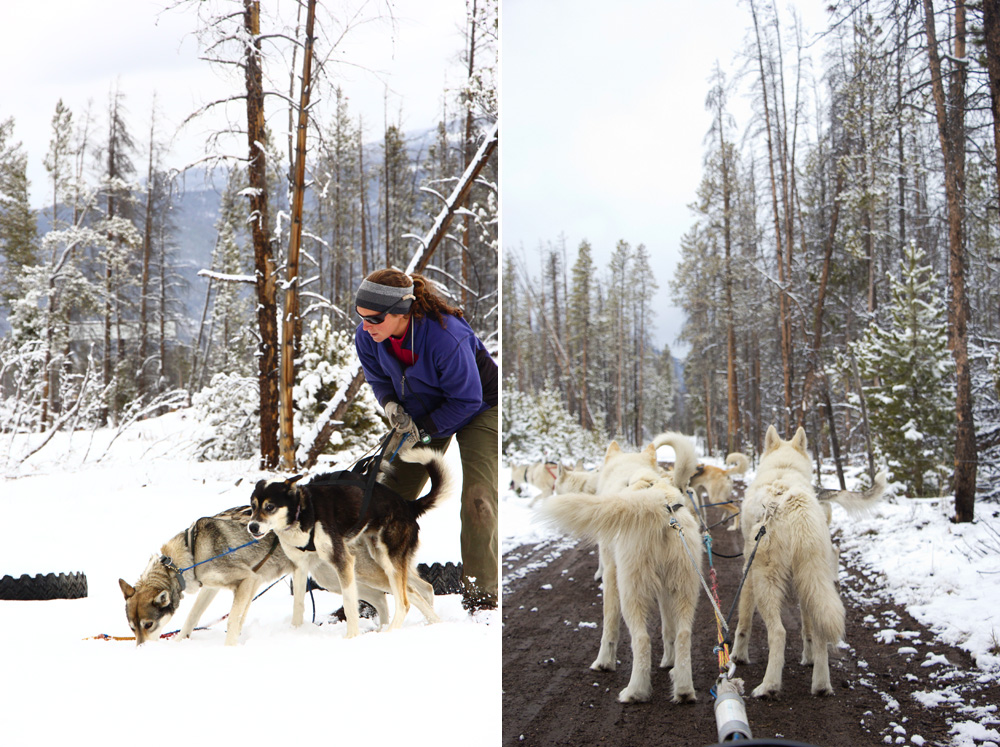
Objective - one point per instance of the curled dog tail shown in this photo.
(738, 463)
(857, 502)
(443, 482)
(685, 460)
(642, 515)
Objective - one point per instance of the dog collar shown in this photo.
(171, 566)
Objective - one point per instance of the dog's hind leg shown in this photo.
(205, 597)
(423, 597)
(300, 579)
(397, 575)
(807, 638)
(635, 606)
(242, 597)
(607, 655)
(681, 609)
(770, 598)
(667, 628)
(376, 599)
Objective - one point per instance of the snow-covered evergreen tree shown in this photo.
(326, 364)
(230, 406)
(907, 371)
(538, 428)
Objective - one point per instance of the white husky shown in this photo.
(634, 517)
(795, 549)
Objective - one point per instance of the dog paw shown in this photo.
(635, 695)
(766, 691)
(685, 696)
(601, 665)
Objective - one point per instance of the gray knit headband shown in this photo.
(384, 298)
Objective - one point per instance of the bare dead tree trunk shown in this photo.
(290, 319)
(709, 431)
(364, 219)
(732, 389)
(267, 358)
(783, 304)
(468, 150)
(950, 113)
(813, 363)
(991, 29)
(147, 247)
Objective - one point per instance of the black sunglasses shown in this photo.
(374, 318)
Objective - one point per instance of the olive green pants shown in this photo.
(478, 445)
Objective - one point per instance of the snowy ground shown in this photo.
(63, 513)
(947, 575)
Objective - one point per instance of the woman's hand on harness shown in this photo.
(401, 421)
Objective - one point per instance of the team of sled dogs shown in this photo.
(648, 536)
(313, 528)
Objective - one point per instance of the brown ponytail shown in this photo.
(427, 303)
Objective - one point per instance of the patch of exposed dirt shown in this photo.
(552, 627)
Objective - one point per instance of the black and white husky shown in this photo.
(321, 528)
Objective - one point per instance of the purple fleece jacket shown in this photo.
(453, 380)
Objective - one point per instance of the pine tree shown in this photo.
(910, 391)
(58, 159)
(339, 207)
(579, 326)
(397, 197)
(18, 232)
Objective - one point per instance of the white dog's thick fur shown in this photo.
(643, 559)
(795, 549)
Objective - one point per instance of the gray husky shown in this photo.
(199, 559)
(180, 567)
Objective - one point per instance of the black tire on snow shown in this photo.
(40, 587)
(445, 578)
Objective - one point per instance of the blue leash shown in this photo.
(220, 555)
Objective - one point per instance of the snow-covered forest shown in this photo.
(839, 272)
(313, 198)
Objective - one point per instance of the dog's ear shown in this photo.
(162, 599)
(799, 440)
(650, 453)
(293, 479)
(613, 448)
(127, 590)
(771, 439)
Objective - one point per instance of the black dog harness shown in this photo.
(362, 475)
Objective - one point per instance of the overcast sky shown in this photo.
(78, 50)
(604, 120)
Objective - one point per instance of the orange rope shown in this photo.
(722, 648)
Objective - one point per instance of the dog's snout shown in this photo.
(254, 528)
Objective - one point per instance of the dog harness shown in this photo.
(191, 535)
(362, 475)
